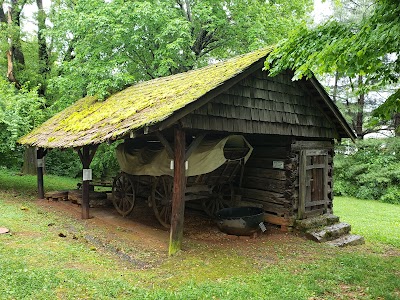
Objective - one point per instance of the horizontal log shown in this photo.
(266, 173)
(276, 209)
(272, 219)
(264, 196)
(275, 152)
(265, 184)
(267, 163)
(251, 203)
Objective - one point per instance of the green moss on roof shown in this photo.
(90, 121)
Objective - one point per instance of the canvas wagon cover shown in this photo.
(207, 157)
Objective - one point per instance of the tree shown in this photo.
(97, 47)
(106, 45)
(27, 68)
(367, 50)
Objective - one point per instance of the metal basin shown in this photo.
(240, 220)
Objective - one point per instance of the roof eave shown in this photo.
(333, 108)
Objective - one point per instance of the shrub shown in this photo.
(369, 169)
(67, 162)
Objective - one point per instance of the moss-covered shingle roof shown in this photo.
(90, 121)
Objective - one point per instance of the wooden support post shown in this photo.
(86, 155)
(178, 198)
(40, 153)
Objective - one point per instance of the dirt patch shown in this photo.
(141, 241)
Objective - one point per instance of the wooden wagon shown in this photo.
(211, 170)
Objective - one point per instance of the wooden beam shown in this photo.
(165, 143)
(196, 142)
(178, 197)
(86, 155)
(40, 153)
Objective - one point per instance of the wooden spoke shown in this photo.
(123, 192)
(161, 199)
(222, 197)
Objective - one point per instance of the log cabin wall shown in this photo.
(273, 177)
(281, 120)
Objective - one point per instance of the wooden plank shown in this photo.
(302, 145)
(326, 180)
(178, 196)
(302, 184)
(315, 203)
(316, 166)
(316, 152)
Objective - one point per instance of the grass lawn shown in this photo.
(376, 221)
(36, 263)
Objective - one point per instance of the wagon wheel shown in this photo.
(222, 197)
(161, 200)
(123, 193)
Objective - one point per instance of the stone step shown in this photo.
(347, 240)
(315, 222)
(329, 233)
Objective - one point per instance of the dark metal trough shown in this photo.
(240, 220)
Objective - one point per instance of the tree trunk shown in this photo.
(10, 55)
(29, 166)
(396, 123)
(360, 111)
(335, 87)
(42, 46)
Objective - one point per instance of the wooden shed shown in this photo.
(292, 126)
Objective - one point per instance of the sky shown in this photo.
(322, 10)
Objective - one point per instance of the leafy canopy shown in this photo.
(104, 46)
(370, 48)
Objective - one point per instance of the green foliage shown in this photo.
(67, 163)
(368, 48)
(105, 45)
(20, 111)
(63, 163)
(104, 164)
(369, 170)
(386, 110)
